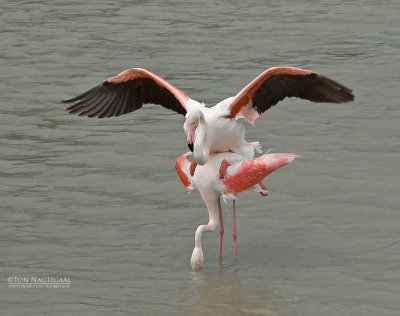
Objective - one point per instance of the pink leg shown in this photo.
(234, 234)
(222, 169)
(264, 188)
(221, 227)
(193, 166)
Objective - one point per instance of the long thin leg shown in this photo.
(221, 228)
(264, 188)
(222, 169)
(192, 168)
(234, 234)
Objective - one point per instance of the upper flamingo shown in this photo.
(215, 129)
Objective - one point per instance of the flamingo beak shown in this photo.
(190, 136)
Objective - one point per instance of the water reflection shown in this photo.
(228, 292)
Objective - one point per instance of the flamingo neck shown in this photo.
(199, 154)
(212, 222)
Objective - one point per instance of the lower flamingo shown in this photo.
(225, 174)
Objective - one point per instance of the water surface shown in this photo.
(99, 201)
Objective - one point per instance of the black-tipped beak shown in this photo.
(190, 147)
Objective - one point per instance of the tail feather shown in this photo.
(255, 145)
(252, 171)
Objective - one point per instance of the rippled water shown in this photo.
(99, 201)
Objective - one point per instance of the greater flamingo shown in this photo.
(215, 129)
(225, 174)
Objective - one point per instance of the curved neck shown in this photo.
(199, 154)
(211, 204)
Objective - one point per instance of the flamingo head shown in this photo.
(197, 258)
(192, 121)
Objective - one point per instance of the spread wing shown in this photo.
(127, 92)
(275, 84)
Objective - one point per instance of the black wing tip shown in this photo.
(345, 94)
(340, 96)
(350, 96)
(83, 113)
(69, 100)
(84, 94)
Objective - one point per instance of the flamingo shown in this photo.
(225, 174)
(215, 129)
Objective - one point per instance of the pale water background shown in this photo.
(99, 201)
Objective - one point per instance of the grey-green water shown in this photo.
(99, 201)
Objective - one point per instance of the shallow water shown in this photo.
(99, 201)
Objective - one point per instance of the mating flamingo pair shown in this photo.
(223, 162)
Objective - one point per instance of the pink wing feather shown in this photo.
(182, 166)
(253, 171)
